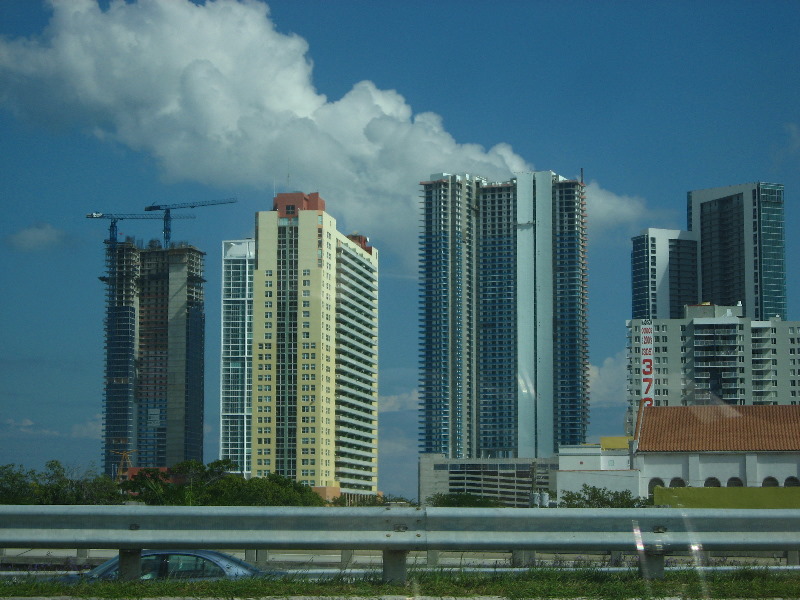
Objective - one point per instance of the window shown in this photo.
(183, 566)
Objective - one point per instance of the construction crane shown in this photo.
(125, 463)
(114, 217)
(167, 208)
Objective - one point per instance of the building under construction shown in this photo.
(154, 343)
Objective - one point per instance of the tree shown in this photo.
(596, 497)
(16, 485)
(460, 499)
(55, 485)
(191, 483)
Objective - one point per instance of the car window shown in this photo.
(186, 566)
(110, 569)
(150, 566)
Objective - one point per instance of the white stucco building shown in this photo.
(698, 446)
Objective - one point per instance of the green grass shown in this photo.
(535, 583)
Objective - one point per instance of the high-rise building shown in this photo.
(238, 262)
(663, 273)
(504, 340)
(154, 340)
(742, 247)
(712, 355)
(313, 393)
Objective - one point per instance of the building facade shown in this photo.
(718, 446)
(742, 247)
(236, 366)
(504, 339)
(732, 253)
(714, 355)
(512, 482)
(154, 367)
(713, 445)
(663, 273)
(314, 379)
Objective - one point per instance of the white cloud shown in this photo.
(408, 401)
(36, 238)
(92, 429)
(610, 212)
(220, 97)
(26, 427)
(608, 381)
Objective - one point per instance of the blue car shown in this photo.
(178, 564)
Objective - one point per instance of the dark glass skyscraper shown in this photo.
(742, 247)
(154, 373)
(733, 252)
(504, 339)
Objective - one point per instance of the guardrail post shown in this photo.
(395, 569)
(523, 558)
(130, 564)
(347, 558)
(793, 557)
(259, 557)
(651, 564)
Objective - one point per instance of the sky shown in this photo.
(114, 106)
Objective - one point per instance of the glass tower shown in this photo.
(238, 261)
(503, 329)
(742, 247)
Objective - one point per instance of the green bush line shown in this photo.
(534, 583)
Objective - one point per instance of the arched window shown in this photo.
(735, 482)
(712, 482)
(677, 482)
(655, 482)
(791, 482)
(770, 482)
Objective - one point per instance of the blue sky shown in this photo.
(113, 107)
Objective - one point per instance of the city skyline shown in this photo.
(651, 100)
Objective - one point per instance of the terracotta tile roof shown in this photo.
(719, 428)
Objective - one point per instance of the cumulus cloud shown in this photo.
(610, 212)
(608, 381)
(36, 238)
(408, 401)
(217, 95)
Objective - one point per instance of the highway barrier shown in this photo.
(396, 531)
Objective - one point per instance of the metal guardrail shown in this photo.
(396, 531)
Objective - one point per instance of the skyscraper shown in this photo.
(154, 371)
(238, 262)
(742, 247)
(664, 273)
(733, 252)
(504, 340)
(313, 411)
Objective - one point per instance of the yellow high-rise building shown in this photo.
(315, 350)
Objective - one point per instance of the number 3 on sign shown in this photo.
(647, 366)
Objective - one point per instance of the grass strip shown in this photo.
(534, 583)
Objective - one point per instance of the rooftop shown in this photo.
(719, 428)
